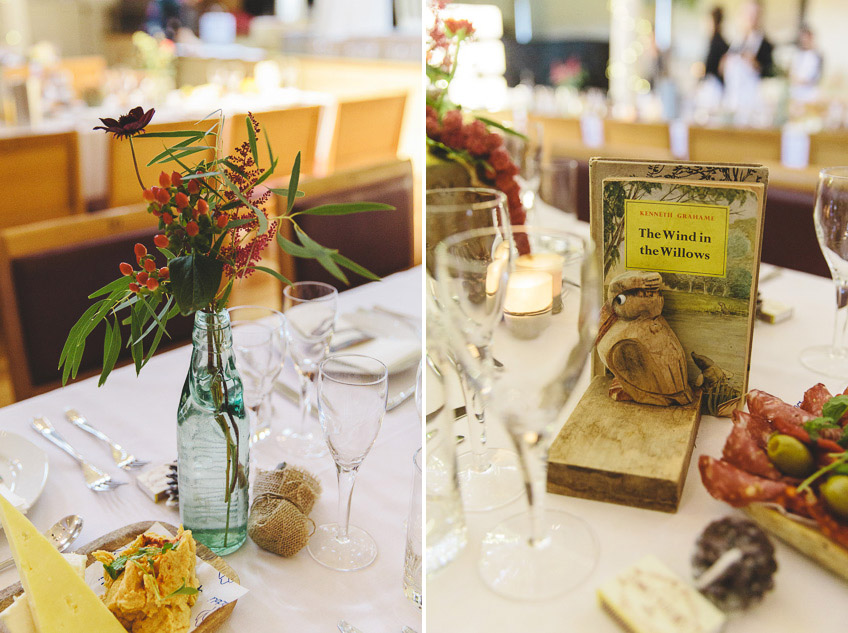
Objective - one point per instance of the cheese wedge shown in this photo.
(17, 618)
(60, 602)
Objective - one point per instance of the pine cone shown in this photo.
(745, 580)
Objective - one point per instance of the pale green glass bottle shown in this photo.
(213, 439)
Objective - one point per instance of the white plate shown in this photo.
(397, 342)
(23, 467)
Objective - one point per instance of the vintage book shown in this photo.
(684, 238)
(699, 225)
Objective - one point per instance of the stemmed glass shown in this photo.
(545, 324)
(830, 216)
(352, 391)
(488, 477)
(310, 308)
(259, 342)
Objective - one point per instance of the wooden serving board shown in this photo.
(126, 535)
(623, 452)
(806, 539)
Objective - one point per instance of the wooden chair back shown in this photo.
(87, 72)
(39, 178)
(47, 271)
(631, 134)
(124, 189)
(367, 132)
(290, 130)
(381, 241)
(829, 149)
(554, 130)
(734, 145)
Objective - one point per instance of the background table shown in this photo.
(805, 598)
(295, 594)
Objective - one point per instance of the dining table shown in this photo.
(294, 594)
(805, 597)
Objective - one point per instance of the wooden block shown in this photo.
(806, 539)
(623, 452)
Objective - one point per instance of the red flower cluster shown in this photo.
(477, 140)
(246, 246)
(148, 278)
(438, 47)
(458, 28)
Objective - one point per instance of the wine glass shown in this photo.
(262, 367)
(352, 391)
(489, 477)
(830, 216)
(310, 308)
(545, 325)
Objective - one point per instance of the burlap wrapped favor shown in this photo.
(279, 516)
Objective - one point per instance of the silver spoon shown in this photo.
(61, 535)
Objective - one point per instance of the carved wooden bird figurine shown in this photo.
(637, 344)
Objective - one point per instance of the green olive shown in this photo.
(790, 455)
(835, 493)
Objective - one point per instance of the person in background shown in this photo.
(805, 71)
(718, 46)
(745, 64)
(753, 49)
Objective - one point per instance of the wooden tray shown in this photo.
(806, 539)
(623, 452)
(126, 535)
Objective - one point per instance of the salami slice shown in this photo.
(830, 526)
(728, 483)
(744, 451)
(814, 399)
(776, 410)
(759, 428)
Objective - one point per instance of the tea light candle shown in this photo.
(550, 263)
(528, 305)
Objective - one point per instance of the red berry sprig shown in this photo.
(149, 277)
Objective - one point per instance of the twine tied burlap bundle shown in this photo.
(279, 516)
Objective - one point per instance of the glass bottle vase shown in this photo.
(213, 439)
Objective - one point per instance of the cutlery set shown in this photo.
(95, 478)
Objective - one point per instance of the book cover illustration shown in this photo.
(703, 238)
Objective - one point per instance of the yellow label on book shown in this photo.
(676, 237)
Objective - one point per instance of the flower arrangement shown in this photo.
(472, 141)
(154, 53)
(213, 229)
(569, 73)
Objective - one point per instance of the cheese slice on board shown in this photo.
(17, 618)
(60, 602)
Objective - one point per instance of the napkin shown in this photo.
(396, 343)
(216, 590)
(17, 501)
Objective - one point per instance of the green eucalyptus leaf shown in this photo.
(283, 191)
(113, 333)
(353, 266)
(195, 280)
(121, 283)
(273, 273)
(295, 250)
(251, 139)
(260, 215)
(293, 180)
(346, 208)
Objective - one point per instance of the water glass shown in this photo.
(412, 562)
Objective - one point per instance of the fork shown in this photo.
(95, 479)
(122, 458)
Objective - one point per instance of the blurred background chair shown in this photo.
(367, 131)
(39, 178)
(633, 134)
(381, 241)
(734, 145)
(86, 73)
(123, 186)
(290, 130)
(66, 260)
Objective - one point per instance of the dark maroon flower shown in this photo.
(128, 124)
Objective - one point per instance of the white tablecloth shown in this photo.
(295, 594)
(805, 598)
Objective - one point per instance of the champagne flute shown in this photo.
(545, 327)
(352, 391)
(489, 477)
(275, 357)
(830, 217)
(310, 308)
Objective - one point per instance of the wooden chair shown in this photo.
(123, 186)
(87, 72)
(290, 130)
(39, 178)
(734, 145)
(829, 148)
(554, 130)
(367, 132)
(627, 133)
(47, 271)
(382, 241)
